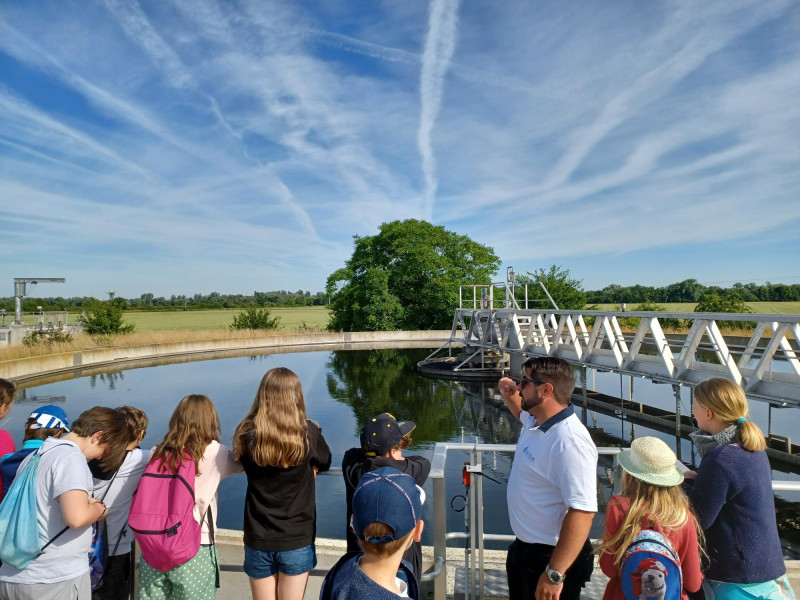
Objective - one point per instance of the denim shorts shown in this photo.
(259, 564)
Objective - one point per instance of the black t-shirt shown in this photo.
(355, 463)
(280, 507)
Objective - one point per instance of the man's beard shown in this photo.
(529, 404)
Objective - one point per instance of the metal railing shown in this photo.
(45, 319)
(477, 537)
(766, 365)
(475, 556)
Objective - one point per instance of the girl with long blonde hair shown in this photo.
(194, 433)
(651, 498)
(733, 499)
(281, 451)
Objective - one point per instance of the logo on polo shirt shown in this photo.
(527, 453)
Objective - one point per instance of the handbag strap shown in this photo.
(113, 477)
(210, 517)
(55, 537)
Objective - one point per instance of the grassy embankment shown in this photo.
(178, 326)
(292, 319)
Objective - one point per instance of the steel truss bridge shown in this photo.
(765, 364)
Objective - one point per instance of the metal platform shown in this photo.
(766, 365)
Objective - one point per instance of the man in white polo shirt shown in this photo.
(552, 489)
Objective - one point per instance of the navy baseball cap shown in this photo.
(49, 416)
(383, 433)
(386, 496)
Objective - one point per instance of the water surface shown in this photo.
(344, 388)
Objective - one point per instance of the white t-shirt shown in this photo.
(62, 468)
(402, 588)
(554, 468)
(118, 499)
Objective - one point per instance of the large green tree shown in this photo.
(406, 277)
(566, 291)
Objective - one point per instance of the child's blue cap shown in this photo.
(386, 496)
(49, 416)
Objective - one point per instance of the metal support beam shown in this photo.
(20, 284)
(704, 352)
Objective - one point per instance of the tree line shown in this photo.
(690, 290)
(408, 275)
(151, 302)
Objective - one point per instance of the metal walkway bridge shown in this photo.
(765, 364)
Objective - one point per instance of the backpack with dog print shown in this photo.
(651, 568)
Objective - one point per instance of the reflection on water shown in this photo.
(376, 381)
(345, 388)
(109, 379)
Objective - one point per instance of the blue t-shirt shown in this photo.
(346, 581)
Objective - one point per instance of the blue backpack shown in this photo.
(19, 523)
(98, 553)
(651, 568)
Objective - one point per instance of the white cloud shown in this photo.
(218, 142)
(439, 47)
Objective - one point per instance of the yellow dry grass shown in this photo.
(82, 342)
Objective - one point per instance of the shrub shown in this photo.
(104, 317)
(255, 318)
(649, 306)
(37, 337)
(306, 327)
(732, 303)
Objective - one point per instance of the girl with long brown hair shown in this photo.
(651, 498)
(733, 499)
(281, 452)
(194, 432)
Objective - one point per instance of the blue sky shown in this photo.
(180, 147)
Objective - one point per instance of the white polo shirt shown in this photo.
(555, 468)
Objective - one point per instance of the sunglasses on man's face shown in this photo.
(522, 380)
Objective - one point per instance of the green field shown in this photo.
(767, 308)
(316, 317)
(291, 318)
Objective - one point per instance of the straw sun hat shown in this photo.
(651, 460)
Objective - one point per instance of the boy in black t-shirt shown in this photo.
(383, 440)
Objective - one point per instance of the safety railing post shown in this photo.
(468, 592)
(479, 514)
(440, 532)
(677, 390)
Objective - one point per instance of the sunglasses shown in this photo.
(522, 380)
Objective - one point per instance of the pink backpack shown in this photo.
(162, 515)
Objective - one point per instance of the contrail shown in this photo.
(439, 47)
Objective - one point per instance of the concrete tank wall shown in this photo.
(41, 367)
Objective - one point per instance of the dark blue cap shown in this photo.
(390, 497)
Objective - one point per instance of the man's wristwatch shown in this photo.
(554, 576)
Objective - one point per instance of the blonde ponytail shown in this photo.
(751, 437)
(729, 403)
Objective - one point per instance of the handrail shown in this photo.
(767, 368)
(439, 500)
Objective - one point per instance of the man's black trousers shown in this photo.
(525, 563)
